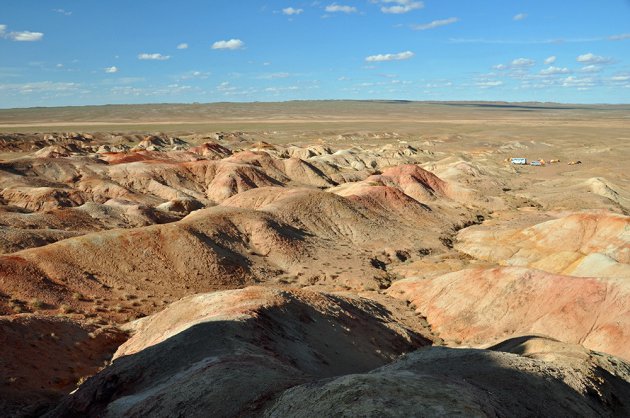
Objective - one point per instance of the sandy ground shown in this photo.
(406, 216)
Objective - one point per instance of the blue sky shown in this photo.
(120, 51)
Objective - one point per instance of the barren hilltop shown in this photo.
(331, 258)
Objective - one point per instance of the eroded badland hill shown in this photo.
(315, 259)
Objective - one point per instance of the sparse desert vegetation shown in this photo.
(377, 251)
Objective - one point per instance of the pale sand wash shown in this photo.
(356, 231)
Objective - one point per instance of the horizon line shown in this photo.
(316, 100)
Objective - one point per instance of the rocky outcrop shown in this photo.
(227, 353)
(480, 306)
(441, 381)
(44, 358)
(580, 244)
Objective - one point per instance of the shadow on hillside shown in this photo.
(246, 361)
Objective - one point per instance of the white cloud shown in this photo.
(500, 67)
(280, 89)
(3, 29)
(437, 85)
(572, 81)
(154, 91)
(619, 37)
(154, 57)
(183, 45)
(550, 60)
(25, 36)
(390, 57)
(274, 76)
(522, 63)
(111, 70)
(504, 41)
(435, 23)
(401, 6)
(231, 44)
(62, 11)
(591, 58)
(127, 91)
(489, 84)
(290, 11)
(554, 70)
(40, 87)
(591, 68)
(120, 81)
(336, 8)
(621, 80)
(520, 16)
(225, 87)
(190, 75)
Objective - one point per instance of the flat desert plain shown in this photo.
(332, 258)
